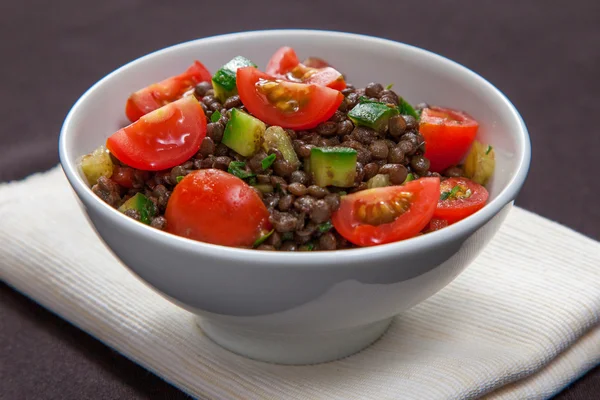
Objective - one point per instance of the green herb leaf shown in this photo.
(268, 161)
(252, 180)
(310, 246)
(287, 236)
(489, 148)
(406, 109)
(215, 116)
(179, 178)
(451, 193)
(238, 168)
(262, 239)
(388, 87)
(325, 227)
(342, 193)
(409, 177)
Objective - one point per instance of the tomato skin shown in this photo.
(448, 136)
(435, 225)
(425, 193)
(163, 138)
(321, 105)
(216, 207)
(455, 209)
(158, 94)
(285, 61)
(315, 62)
(123, 176)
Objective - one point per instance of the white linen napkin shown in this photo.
(521, 322)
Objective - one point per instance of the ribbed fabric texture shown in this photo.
(521, 322)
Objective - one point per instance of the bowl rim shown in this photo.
(278, 258)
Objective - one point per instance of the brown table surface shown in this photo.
(544, 55)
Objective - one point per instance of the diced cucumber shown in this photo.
(224, 79)
(373, 115)
(335, 166)
(264, 187)
(143, 205)
(379, 180)
(243, 133)
(277, 138)
(97, 164)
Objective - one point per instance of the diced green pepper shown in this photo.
(276, 138)
(144, 206)
(224, 79)
(96, 164)
(409, 177)
(372, 114)
(335, 166)
(243, 133)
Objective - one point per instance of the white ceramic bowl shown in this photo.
(298, 308)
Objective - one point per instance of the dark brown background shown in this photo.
(544, 55)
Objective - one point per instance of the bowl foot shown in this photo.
(293, 349)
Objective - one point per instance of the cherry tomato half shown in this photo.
(286, 104)
(285, 65)
(448, 136)
(213, 206)
(459, 198)
(158, 94)
(163, 138)
(387, 214)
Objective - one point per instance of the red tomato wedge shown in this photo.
(212, 206)
(285, 65)
(163, 138)
(459, 198)
(448, 135)
(389, 214)
(286, 104)
(158, 94)
(315, 62)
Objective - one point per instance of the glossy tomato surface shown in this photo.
(387, 214)
(163, 138)
(284, 64)
(459, 198)
(216, 207)
(158, 94)
(448, 136)
(286, 104)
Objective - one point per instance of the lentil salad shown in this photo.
(294, 159)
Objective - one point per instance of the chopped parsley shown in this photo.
(456, 193)
(325, 227)
(409, 177)
(262, 239)
(268, 161)
(238, 168)
(215, 116)
(287, 236)
(388, 87)
(179, 178)
(406, 109)
(489, 148)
